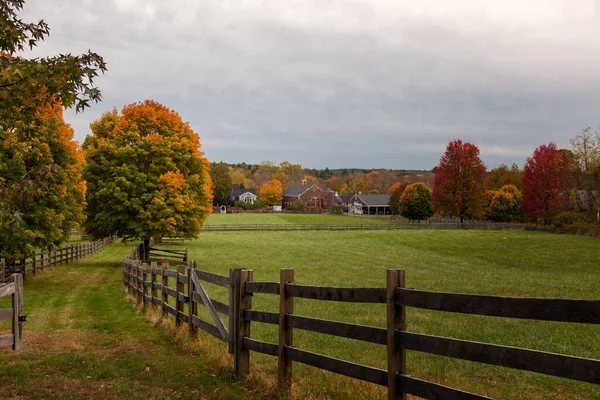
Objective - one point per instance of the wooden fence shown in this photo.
(52, 258)
(15, 313)
(359, 227)
(140, 278)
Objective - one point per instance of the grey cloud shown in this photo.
(344, 83)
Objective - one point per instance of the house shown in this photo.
(369, 204)
(308, 193)
(242, 194)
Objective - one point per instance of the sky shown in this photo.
(344, 83)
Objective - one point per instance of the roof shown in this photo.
(375, 199)
(297, 189)
(345, 198)
(236, 191)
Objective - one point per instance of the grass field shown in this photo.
(256, 218)
(84, 340)
(488, 262)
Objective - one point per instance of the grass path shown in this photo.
(83, 340)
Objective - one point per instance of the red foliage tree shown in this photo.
(545, 183)
(460, 181)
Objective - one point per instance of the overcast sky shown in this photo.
(344, 83)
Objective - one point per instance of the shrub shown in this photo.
(297, 206)
(569, 222)
(506, 205)
(338, 209)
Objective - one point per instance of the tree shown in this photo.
(544, 185)
(394, 187)
(395, 198)
(271, 193)
(506, 205)
(460, 180)
(415, 202)
(502, 175)
(219, 174)
(40, 192)
(586, 153)
(146, 175)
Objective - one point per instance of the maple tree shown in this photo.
(545, 183)
(146, 175)
(506, 205)
(219, 174)
(459, 181)
(41, 195)
(271, 193)
(415, 202)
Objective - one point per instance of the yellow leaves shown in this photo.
(173, 180)
(271, 193)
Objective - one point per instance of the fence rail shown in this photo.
(15, 313)
(139, 278)
(43, 259)
(392, 225)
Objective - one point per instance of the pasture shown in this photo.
(511, 263)
(280, 219)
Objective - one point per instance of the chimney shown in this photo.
(303, 181)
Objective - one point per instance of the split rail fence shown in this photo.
(151, 286)
(15, 313)
(52, 258)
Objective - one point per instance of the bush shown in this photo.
(338, 209)
(569, 222)
(297, 206)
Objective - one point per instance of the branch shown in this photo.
(12, 84)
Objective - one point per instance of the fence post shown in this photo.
(234, 277)
(244, 302)
(138, 278)
(192, 305)
(396, 320)
(165, 285)
(286, 306)
(54, 257)
(153, 266)
(42, 260)
(2, 271)
(33, 264)
(180, 290)
(17, 303)
(144, 287)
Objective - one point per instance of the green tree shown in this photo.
(415, 202)
(219, 174)
(41, 194)
(396, 192)
(146, 175)
(502, 175)
(506, 205)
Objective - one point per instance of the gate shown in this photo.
(14, 288)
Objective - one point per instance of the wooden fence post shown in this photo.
(138, 278)
(153, 266)
(33, 264)
(286, 306)
(192, 305)
(2, 270)
(234, 277)
(144, 287)
(17, 303)
(165, 285)
(54, 255)
(396, 320)
(244, 302)
(42, 260)
(180, 291)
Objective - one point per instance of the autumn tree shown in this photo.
(40, 190)
(459, 182)
(415, 202)
(503, 175)
(395, 191)
(543, 185)
(146, 175)
(586, 153)
(219, 175)
(271, 193)
(506, 205)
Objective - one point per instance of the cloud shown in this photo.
(344, 83)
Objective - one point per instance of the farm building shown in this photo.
(242, 194)
(369, 204)
(308, 193)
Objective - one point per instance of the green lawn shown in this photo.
(84, 340)
(256, 218)
(512, 263)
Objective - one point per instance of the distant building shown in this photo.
(308, 193)
(242, 194)
(369, 204)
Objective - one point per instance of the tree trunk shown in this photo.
(146, 255)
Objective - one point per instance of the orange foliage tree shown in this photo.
(146, 175)
(271, 193)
